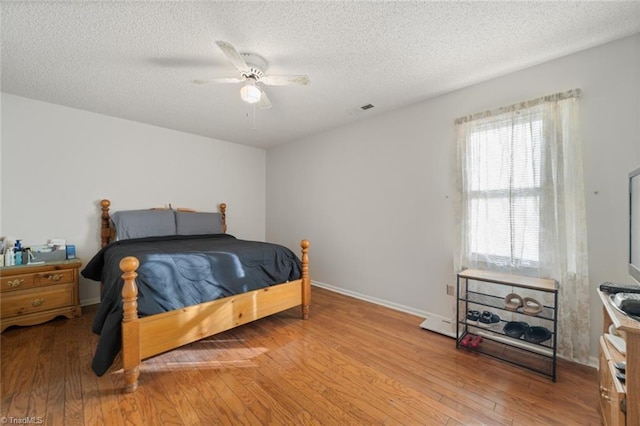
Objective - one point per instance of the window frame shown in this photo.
(507, 192)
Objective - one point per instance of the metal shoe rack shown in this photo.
(486, 291)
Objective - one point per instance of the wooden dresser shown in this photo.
(33, 294)
(619, 400)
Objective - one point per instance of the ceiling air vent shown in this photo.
(356, 111)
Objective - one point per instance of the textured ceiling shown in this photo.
(137, 60)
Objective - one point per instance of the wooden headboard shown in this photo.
(107, 232)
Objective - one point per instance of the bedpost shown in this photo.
(306, 281)
(105, 228)
(223, 211)
(130, 324)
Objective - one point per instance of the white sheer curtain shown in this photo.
(520, 205)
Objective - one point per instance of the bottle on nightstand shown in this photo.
(9, 258)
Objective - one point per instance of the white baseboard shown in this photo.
(375, 300)
(432, 322)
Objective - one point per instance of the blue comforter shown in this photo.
(178, 271)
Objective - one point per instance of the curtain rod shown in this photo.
(573, 93)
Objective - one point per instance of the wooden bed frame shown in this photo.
(145, 337)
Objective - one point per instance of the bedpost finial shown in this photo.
(223, 212)
(105, 203)
(129, 264)
(305, 244)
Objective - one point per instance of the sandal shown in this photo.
(488, 319)
(531, 306)
(512, 302)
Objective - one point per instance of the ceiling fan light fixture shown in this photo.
(250, 93)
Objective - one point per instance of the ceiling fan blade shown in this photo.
(201, 81)
(286, 80)
(223, 80)
(233, 55)
(264, 102)
(228, 80)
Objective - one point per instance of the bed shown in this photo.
(164, 287)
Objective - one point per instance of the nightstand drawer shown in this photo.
(53, 277)
(20, 282)
(37, 300)
(16, 282)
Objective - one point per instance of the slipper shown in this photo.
(475, 342)
(536, 334)
(512, 302)
(531, 306)
(515, 329)
(466, 339)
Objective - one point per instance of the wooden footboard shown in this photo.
(152, 335)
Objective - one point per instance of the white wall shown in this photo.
(375, 198)
(57, 163)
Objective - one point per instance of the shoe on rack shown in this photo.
(531, 306)
(512, 302)
(466, 340)
(488, 319)
(515, 329)
(475, 342)
(537, 334)
(473, 317)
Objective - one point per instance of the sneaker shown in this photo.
(487, 319)
(473, 317)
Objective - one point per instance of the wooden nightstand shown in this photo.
(33, 294)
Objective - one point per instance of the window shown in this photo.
(504, 191)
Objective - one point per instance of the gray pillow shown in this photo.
(197, 223)
(143, 223)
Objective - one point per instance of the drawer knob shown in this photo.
(15, 283)
(37, 302)
(54, 277)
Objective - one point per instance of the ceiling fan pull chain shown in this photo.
(253, 124)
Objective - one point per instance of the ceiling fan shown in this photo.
(251, 68)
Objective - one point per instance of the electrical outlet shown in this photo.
(450, 290)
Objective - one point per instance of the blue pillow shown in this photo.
(198, 223)
(144, 223)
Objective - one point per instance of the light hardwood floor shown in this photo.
(352, 362)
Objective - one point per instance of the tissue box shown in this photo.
(48, 256)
